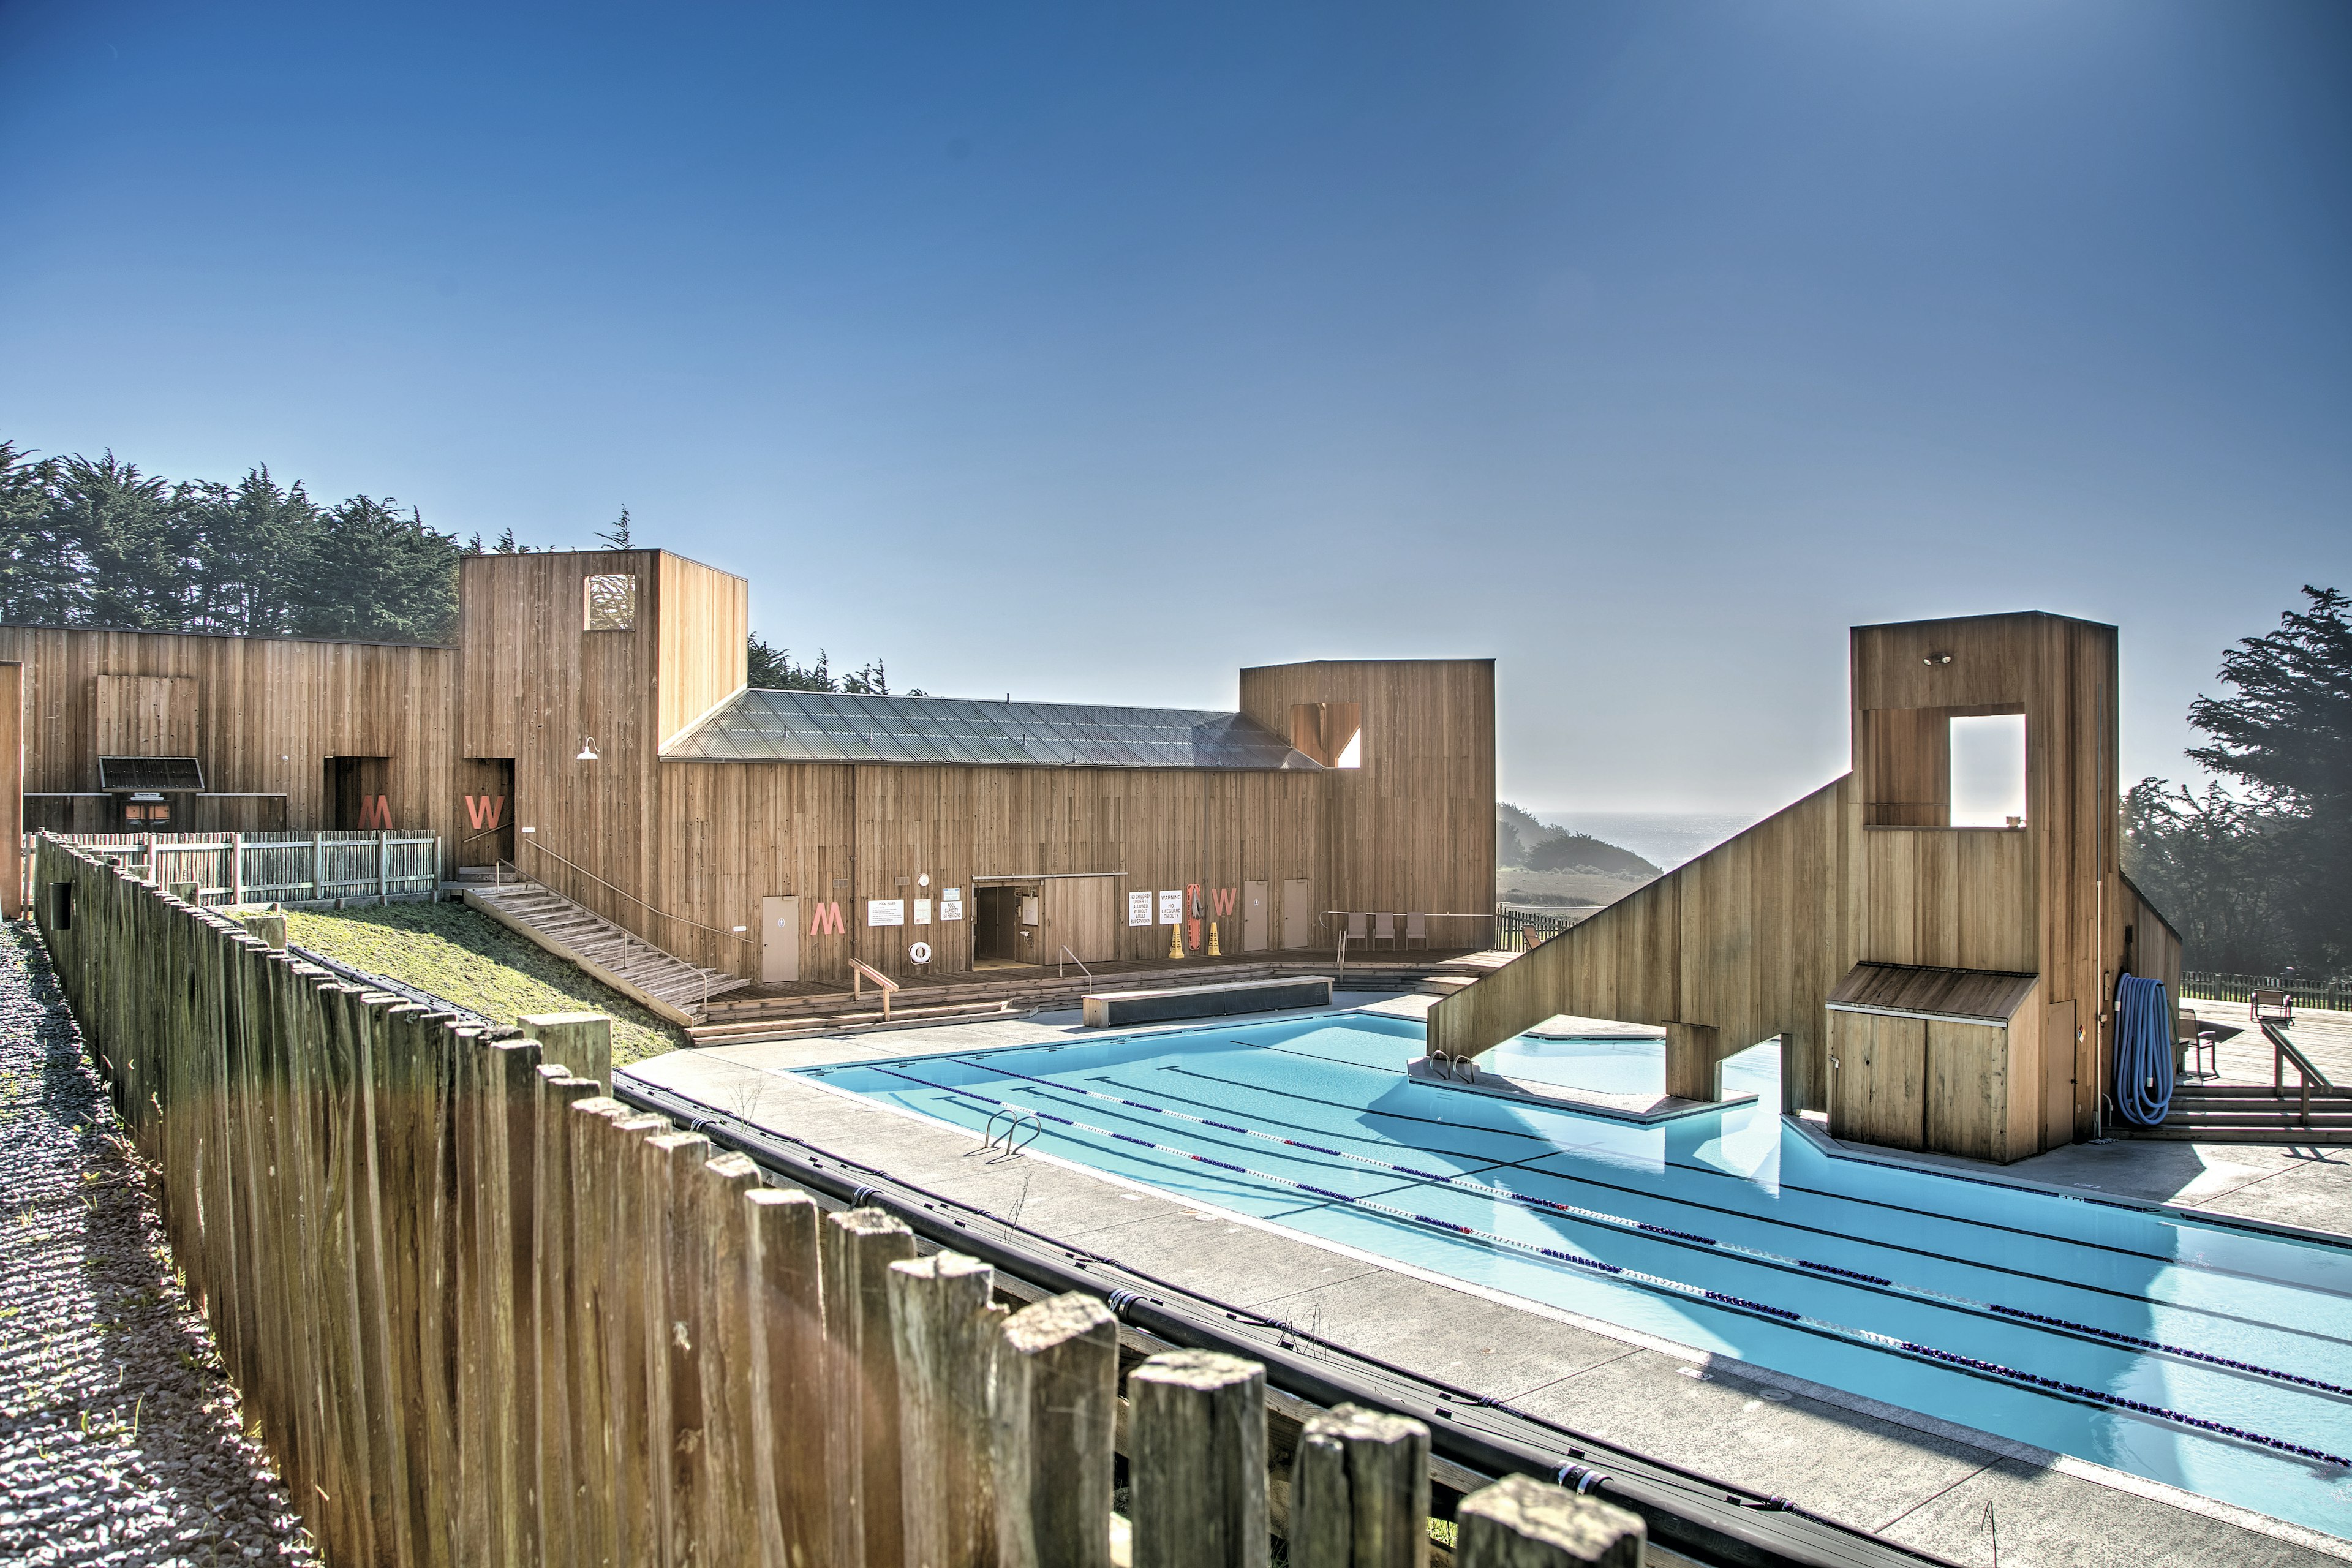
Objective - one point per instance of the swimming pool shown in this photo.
(2211, 1358)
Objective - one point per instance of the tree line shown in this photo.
(2257, 873)
(98, 541)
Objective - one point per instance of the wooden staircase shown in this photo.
(1446, 978)
(665, 983)
(2250, 1113)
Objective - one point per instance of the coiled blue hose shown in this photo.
(2142, 1050)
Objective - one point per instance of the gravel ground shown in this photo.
(119, 1441)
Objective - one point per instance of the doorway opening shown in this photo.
(359, 793)
(1005, 931)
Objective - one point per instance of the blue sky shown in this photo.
(1092, 352)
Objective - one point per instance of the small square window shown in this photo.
(612, 602)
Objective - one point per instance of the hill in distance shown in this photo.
(1537, 864)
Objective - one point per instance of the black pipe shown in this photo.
(1694, 1514)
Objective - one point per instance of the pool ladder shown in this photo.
(1461, 1068)
(1016, 1120)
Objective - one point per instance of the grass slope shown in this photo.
(463, 956)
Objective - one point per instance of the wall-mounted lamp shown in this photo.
(587, 750)
(1937, 658)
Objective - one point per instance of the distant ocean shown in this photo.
(1664, 838)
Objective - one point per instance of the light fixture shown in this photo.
(587, 750)
(1937, 658)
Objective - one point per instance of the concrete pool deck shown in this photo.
(1909, 1476)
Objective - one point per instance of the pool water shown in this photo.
(2040, 1317)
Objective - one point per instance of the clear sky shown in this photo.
(1092, 352)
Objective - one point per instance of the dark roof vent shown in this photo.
(175, 773)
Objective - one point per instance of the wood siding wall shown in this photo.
(702, 617)
(1413, 826)
(261, 715)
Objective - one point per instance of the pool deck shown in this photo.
(1911, 1478)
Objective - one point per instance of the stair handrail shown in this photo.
(2285, 1050)
(1081, 963)
(860, 972)
(659, 914)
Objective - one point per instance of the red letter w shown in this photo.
(486, 811)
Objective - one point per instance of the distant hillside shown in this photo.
(1522, 842)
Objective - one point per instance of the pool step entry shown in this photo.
(2248, 1113)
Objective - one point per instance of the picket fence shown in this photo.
(480, 1311)
(280, 867)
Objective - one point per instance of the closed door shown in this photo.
(780, 941)
(2060, 1105)
(1878, 1087)
(1297, 920)
(1253, 917)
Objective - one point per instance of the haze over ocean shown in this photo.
(1090, 354)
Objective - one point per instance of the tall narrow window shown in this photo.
(612, 602)
(1989, 771)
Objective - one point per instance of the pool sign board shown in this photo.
(951, 903)
(1172, 907)
(922, 914)
(1139, 909)
(886, 911)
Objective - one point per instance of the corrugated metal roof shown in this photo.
(150, 773)
(1991, 996)
(836, 727)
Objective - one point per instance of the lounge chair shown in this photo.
(1384, 930)
(1357, 927)
(1416, 927)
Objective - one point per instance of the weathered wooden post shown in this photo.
(582, 1042)
(1056, 1407)
(862, 1403)
(1197, 1453)
(319, 867)
(1359, 1491)
(551, 1310)
(1519, 1522)
(730, 1527)
(593, 1237)
(236, 869)
(788, 1378)
(669, 1164)
(944, 1324)
(626, 1336)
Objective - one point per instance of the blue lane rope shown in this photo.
(1776, 1259)
(2142, 1050)
(1655, 1283)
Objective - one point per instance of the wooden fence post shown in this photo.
(593, 1237)
(862, 1405)
(508, 1246)
(1056, 1409)
(1519, 1522)
(236, 869)
(729, 1528)
(1359, 1491)
(944, 1329)
(582, 1042)
(552, 1274)
(669, 1162)
(628, 1338)
(1197, 1453)
(788, 1378)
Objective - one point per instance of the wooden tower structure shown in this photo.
(1931, 986)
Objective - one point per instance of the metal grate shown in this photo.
(150, 773)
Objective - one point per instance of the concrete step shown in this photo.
(801, 1028)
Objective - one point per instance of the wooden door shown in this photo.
(1297, 917)
(780, 941)
(2058, 1047)
(1253, 917)
(1878, 1079)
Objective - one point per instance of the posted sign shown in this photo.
(1172, 907)
(886, 911)
(951, 903)
(1139, 909)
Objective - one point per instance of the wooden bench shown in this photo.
(1106, 1008)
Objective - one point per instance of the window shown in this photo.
(1989, 771)
(612, 602)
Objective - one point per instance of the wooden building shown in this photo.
(1932, 986)
(593, 726)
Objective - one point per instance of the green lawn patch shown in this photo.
(463, 956)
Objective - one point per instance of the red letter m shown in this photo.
(828, 921)
(485, 810)
(375, 813)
